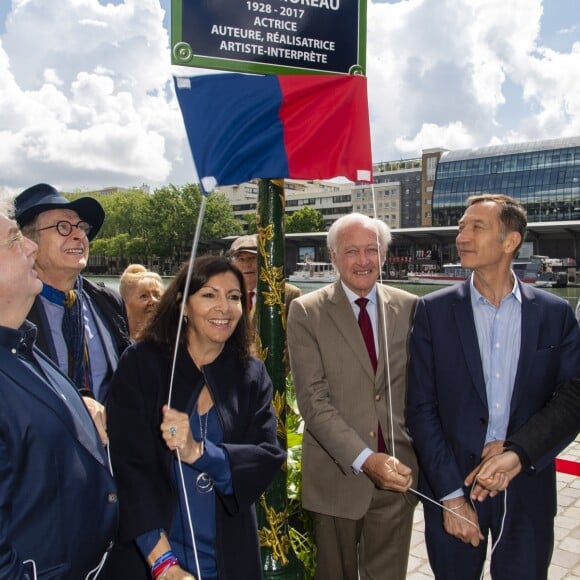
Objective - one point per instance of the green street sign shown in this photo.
(271, 36)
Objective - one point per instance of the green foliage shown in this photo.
(252, 225)
(139, 225)
(301, 533)
(219, 219)
(305, 220)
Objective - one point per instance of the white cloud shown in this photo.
(438, 73)
(455, 135)
(87, 101)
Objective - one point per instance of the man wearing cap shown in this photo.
(82, 326)
(244, 254)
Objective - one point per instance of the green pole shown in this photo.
(278, 559)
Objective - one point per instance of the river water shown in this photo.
(571, 293)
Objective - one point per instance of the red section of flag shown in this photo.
(569, 467)
(326, 126)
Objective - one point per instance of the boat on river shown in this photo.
(316, 272)
(552, 280)
(451, 274)
(529, 271)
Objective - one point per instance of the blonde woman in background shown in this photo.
(141, 290)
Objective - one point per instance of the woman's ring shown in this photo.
(172, 431)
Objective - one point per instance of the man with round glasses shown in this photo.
(82, 326)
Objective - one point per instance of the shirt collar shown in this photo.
(371, 296)
(21, 339)
(477, 296)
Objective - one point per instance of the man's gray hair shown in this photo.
(382, 229)
(7, 208)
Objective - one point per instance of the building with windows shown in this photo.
(331, 199)
(407, 174)
(423, 199)
(383, 198)
(429, 164)
(543, 175)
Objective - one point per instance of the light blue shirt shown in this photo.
(99, 366)
(373, 312)
(499, 334)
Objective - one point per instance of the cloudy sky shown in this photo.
(86, 100)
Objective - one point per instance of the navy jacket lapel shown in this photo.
(468, 337)
(83, 430)
(38, 317)
(530, 331)
(104, 335)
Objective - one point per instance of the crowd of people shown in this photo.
(137, 431)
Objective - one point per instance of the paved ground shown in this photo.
(566, 558)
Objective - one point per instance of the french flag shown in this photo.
(242, 127)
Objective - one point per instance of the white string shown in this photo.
(33, 568)
(94, 573)
(385, 339)
(184, 298)
(503, 518)
(390, 405)
(439, 504)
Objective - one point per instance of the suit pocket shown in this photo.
(53, 572)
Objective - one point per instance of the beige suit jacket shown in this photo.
(341, 398)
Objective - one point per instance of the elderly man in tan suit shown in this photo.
(357, 458)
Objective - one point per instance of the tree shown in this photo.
(305, 220)
(250, 219)
(139, 225)
(170, 219)
(124, 213)
(219, 219)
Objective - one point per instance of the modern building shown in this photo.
(422, 199)
(543, 175)
(332, 199)
(407, 174)
(429, 164)
(382, 200)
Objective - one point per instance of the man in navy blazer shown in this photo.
(58, 502)
(486, 355)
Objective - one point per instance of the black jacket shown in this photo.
(552, 426)
(242, 395)
(108, 304)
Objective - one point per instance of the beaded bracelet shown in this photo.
(162, 564)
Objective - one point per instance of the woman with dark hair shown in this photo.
(191, 464)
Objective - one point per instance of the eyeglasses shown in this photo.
(64, 227)
(14, 239)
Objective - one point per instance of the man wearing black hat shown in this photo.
(82, 326)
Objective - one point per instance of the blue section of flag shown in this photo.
(233, 126)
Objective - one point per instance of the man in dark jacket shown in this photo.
(82, 326)
(58, 501)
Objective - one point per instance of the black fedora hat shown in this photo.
(43, 197)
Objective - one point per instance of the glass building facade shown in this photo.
(543, 175)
